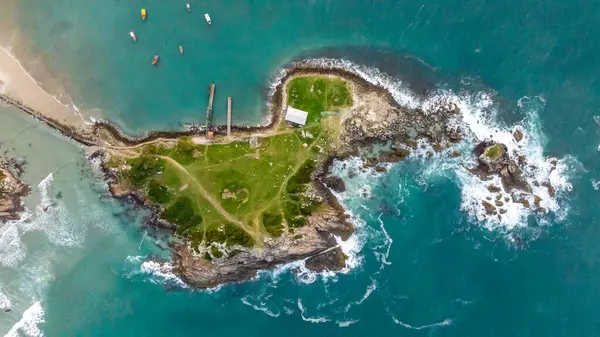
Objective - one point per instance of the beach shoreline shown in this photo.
(18, 86)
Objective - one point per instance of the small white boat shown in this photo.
(188, 6)
(207, 17)
(180, 49)
(133, 37)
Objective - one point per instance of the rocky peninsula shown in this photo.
(12, 190)
(265, 196)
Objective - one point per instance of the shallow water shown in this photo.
(424, 262)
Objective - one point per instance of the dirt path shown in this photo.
(157, 140)
(213, 201)
(294, 170)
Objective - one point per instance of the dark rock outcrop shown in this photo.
(331, 260)
(313, 242)
(489, 208)
(335, 183)
(493, 159)
(518, 135)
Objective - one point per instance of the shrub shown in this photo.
(273, 223)
(158, 193)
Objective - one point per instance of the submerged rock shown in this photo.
(518, 135)
(551, 189)
(489, 208)
(494, 188)
(537, 202)
(401, 152)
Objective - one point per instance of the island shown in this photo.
(261, 196)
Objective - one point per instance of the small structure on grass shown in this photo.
(295, 116)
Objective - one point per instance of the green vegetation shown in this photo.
(237, 193)
(273, 223)
(315, 94)
(493, 152)
(216, 252)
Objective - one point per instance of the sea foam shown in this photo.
(154, 271)
(28, 324)
(479, 121)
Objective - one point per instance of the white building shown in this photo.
(296, 116)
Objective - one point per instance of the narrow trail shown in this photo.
(294, 170)
(212, 200)
(157, 140)
(235, 138)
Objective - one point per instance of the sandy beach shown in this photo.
(17, 84)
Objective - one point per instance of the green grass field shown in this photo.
(315, 94)
(233, 193)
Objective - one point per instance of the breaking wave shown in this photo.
(32, 255)
(310, 319)
(445, 322)
(28, 324)
(5, 302)
(479, 121)
(260, 304)
(154, 271)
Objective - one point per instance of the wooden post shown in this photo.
(211, 96)
(228, 117)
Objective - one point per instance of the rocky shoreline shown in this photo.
(12, 190)
(375, 118)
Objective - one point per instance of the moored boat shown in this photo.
(144, 14)
(207, 17)
(188, 6)
(155, 60)
(180, 49)
(133, 37)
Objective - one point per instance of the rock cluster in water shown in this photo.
(12, 190)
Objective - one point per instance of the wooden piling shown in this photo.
(211, 96)
(228, 117)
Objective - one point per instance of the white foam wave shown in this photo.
(387, 244)
(345, 324)
(262, 307)
(5, 302)
(445, 322)
(159, 272)
(373, 75)
(12, 250)
(366, 295)
(28, 324)
(351, 248)
(310, 319)
(479, 120)
(52, 217)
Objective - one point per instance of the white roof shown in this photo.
(296, 116)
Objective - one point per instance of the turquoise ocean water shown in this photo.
(424, 261)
